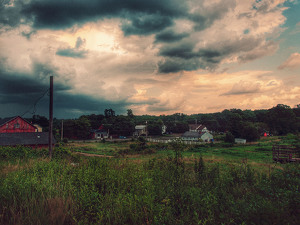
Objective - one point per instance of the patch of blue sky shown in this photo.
(246, 31)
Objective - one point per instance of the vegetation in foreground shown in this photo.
(77, 190)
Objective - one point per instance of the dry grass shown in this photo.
(59, 210)
(19, 165)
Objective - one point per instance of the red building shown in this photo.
(16, 125)
(17, 131)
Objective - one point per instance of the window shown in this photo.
(17, 125)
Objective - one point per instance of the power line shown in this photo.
(35, 103)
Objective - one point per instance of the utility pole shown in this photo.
(62, 130)
(51, 117)
(146, 129)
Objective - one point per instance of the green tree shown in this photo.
(249, 131)
(282, 120)
(122, 125)
(229, 138)
(41, 120)
(130, 113)
(109, 113)
(82, 128)
(154, 128)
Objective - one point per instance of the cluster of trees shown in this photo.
(248, 124)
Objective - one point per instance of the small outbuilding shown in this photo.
(240, 141)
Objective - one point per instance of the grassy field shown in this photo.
(146, 183)
(259, 152)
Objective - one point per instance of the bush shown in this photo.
(229, 138)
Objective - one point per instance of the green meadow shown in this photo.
(145, 183)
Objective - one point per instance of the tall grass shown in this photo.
(159, 191)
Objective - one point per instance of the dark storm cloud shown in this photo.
(186, 51)
(10, 15)
(183, 50)
(14, 84)
(67, 104)
(144, 24)
(58, 14)
(138, 17)
(173, 65)
(184, 56)
(20, 91)
(20, 84)
(70, 52)
(207, 15)
(170, 36)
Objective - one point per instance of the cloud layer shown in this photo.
(155, 57)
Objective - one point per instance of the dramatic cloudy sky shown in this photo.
(154, 57)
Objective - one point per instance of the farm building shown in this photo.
(16, 125)
(196, 136)
(197, 128)
(100, 133)
(31, 139)
(240, 141)
(163, 129)
(140, 130)
(38, 128)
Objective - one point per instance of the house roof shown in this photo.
(140, 127)
(25, 138)
(192, 134)
(8, 119)
(196, 127)
(99, 131)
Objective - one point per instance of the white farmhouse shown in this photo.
(196, 136)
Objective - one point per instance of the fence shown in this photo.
(285, 153)
(172, 140)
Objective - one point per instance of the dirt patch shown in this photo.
(93, 155)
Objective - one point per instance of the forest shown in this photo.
(248, 124)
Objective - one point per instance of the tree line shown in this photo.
(249, 124)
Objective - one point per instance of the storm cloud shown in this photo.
(150, 56)
(137, 18)
(57, 14)
(20, 91)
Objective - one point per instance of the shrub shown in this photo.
(229, 138)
